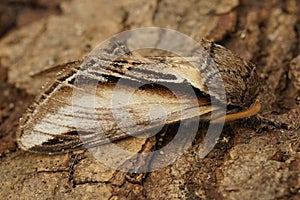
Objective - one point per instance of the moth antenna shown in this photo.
(254, 109)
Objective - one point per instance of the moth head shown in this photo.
(240, 79)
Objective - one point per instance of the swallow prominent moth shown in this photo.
(48, 125)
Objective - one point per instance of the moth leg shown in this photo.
(254, 109)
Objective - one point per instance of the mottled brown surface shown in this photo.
(256, 158)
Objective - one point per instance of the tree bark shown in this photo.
(255, 158)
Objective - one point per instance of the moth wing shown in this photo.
(47, 76)
(54, 123)
(59, 114)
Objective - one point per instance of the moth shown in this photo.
(48, 125)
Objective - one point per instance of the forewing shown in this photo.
(59, 114)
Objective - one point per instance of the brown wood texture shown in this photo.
(255, 158)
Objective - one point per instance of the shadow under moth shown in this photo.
(51, 124)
